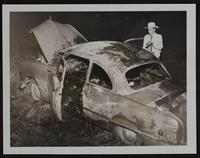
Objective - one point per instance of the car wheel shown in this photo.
(127, 136)
(34, 90)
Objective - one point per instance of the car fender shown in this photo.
(37, 71)
(121, 121)
(146, 121)
(47, 82)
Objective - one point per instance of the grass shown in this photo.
(33, 124)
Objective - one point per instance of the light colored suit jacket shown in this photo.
(157, 44)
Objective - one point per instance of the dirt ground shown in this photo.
(33, 124)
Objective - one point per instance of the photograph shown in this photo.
(99, 77)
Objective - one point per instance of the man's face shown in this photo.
(151, 31)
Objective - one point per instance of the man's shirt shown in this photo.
(157, 44)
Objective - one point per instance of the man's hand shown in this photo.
(148, 44)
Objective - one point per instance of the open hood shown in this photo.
(53, 36)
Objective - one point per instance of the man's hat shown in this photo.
(152, 25)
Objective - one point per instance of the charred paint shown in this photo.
(126, 54)
(121, 116)
(79, 39)
(173, 90)
(164, 101)
(170, 85)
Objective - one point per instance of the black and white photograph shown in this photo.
(112, 77)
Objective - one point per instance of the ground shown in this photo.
(33, 124)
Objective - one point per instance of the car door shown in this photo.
(96, 91)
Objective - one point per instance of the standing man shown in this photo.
(153, 41)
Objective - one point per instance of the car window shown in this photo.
(145, 75)
(74, 81)
(100, 77)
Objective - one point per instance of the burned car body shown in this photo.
(122, 88)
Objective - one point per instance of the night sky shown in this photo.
(117, 26)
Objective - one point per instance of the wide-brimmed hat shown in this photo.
(152, 25)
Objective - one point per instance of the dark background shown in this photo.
(32, 124)
(117, 26)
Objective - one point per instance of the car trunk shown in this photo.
(158, 94)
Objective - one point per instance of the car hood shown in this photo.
(53, 36)
(160, 93)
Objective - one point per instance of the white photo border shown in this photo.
(191, 146)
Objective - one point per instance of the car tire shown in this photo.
(127, 136)
(34, 90)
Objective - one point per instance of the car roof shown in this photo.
(112, 55)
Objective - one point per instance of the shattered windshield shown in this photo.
(145, 75)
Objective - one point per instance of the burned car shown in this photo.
(121, 88)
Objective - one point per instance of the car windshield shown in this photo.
(145, 75)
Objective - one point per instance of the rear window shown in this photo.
(145, 75)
